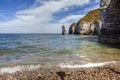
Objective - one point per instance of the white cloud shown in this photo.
(71, 17)
(97, 0)
(3, 16)
(37, 19)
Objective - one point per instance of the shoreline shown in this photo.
(106, 72)
(28, 67)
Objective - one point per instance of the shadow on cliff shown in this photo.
(114, 5)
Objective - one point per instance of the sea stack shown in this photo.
(64, 32)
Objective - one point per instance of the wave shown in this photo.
(88, 65)
(13, 69)
(18, 68)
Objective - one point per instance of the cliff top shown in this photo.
(91, 16)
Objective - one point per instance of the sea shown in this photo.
(52, 50)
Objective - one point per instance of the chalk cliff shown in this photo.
(89, 24)
(72, 28)
(110, 14)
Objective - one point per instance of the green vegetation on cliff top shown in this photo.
(91, 16)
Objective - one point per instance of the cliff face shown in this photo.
(72, 28)
(82, 27)
(110, 15)
(89, 24)
(104, 3)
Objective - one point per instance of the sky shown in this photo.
(42, 16)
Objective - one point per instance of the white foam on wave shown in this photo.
(88, 65)
(18, 68)
(62, 65)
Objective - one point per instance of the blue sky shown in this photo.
(41, 16)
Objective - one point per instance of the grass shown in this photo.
(91, 16)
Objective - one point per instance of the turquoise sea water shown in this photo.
(54, 49)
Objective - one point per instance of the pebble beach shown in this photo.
(106, 72)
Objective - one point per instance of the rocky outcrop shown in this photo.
(89, 23)
(83, 28)
(104, 3)
(72, 28)
(110, 14)
(64, 32)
